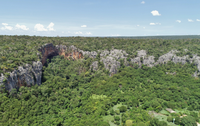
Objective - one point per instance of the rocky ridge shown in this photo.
(31, 74)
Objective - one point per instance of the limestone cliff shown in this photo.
(23, 76)
(31, 74)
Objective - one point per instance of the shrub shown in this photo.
(117, 118)
(112, 112)
(117, 122)
(169, 119)
(122, 108)
(129, 122)
(188, 121)
(117, 112)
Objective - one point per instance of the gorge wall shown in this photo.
(31, 74)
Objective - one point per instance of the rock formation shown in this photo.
(31, 74)
(24, 76)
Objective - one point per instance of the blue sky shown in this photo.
(99, 17)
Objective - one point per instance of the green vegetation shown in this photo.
(73, 95)
(19, 50)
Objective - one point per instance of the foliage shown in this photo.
(188, 121)
(72, 94)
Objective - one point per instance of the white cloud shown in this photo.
(152, 24)
(155, 23)
(142, 2)
(83, 26)
(50, 27)
(179, 21)
(79, 33)
(116, 35)
(40, 27)
(198, 20)
(23, 27)
(6, 27)
(144, 27)
(138, 25)
(155, 13)
(190, 20)
(4, 24)
(88, 33)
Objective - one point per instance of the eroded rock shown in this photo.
(24, 76)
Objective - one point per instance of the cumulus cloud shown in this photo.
(138, 25)
(142, 2)
(6, 27)
(179, 21)
(155, 13)
(152, 23)
(4, 24)
(83, 26)
(79, 33)
(155, 23)
(190, 20)
(88, 33)
(23, 27)
(50, 27)
(40, 27)
(198, 20)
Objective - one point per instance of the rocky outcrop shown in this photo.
(24, 76)
(111, 64)
(48, 51)
(31, 74)
(94, 66)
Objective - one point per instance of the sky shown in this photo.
(99, 17)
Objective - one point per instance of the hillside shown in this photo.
(98, 81)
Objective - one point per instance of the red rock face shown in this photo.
(49, 50)
(74, 55)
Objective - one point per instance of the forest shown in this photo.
(73, 94)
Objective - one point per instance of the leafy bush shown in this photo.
(117, 118)
(122, 108)
(188, 121)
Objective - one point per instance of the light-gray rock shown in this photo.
(149, 61)
(141, 53)
(136, 61)
(103, 53)
(94, 66)
(118, 54)
(92, 54)
(166, 57)
(177, 59)
(24, 76)
(111, 64)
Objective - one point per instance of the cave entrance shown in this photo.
(49, 57)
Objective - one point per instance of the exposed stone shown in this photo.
(94, 66)
(177, 59)
(149, 61)
(111, 64)
(103, 53)
(48, 50)
(136, 61)
(118, 54)
(92, 54)
(166, 57)
(24, 76)
(141, 53)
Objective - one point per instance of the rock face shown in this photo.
(24, 76)
(48, 51)
(94, 66)
(31, 74)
